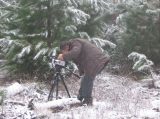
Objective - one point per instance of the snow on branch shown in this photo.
(43, 51)
(71, 2)
(111, 29)
(78, 16)
(84, 35)
(101, 6)
(38, 45)
(71, 29)
(153, 12)
(101, 43)
(94, 4)
(24, 51)
(53, 51)
(141, 63)
(5, 3)
(5, 42)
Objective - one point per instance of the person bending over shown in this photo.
(90, 61)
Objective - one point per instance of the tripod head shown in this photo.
(59, 64)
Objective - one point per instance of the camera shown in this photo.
(58, 62)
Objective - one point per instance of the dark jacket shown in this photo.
(89, 59)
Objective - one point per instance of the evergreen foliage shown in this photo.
(141, 63)
(30, 30)
(141, 30)
(33, 29)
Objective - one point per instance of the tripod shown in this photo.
(56, 78)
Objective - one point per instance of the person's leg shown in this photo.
(85, 91)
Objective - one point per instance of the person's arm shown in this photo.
(74, 52)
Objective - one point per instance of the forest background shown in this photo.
(31, 30)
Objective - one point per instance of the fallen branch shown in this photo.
(15, 102)
(57, 105)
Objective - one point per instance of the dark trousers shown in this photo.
(86, 87)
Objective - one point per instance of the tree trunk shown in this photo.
(49, 35)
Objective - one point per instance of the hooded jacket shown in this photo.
(89, 59)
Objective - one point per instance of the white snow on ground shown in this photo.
(14, 89)
(115, 97)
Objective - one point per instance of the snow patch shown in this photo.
(14, 89)
(146, 113)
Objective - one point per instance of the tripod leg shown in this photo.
(65, 87)
(50, 96)
(57, 88)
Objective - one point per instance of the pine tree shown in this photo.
(33, 29)
(141, 29)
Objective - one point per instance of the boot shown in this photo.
(79, 97)
(88, 101)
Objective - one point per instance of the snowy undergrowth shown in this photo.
(115, 97)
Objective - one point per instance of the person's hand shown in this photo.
(60, 57)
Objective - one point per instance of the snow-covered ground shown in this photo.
(115, 97)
